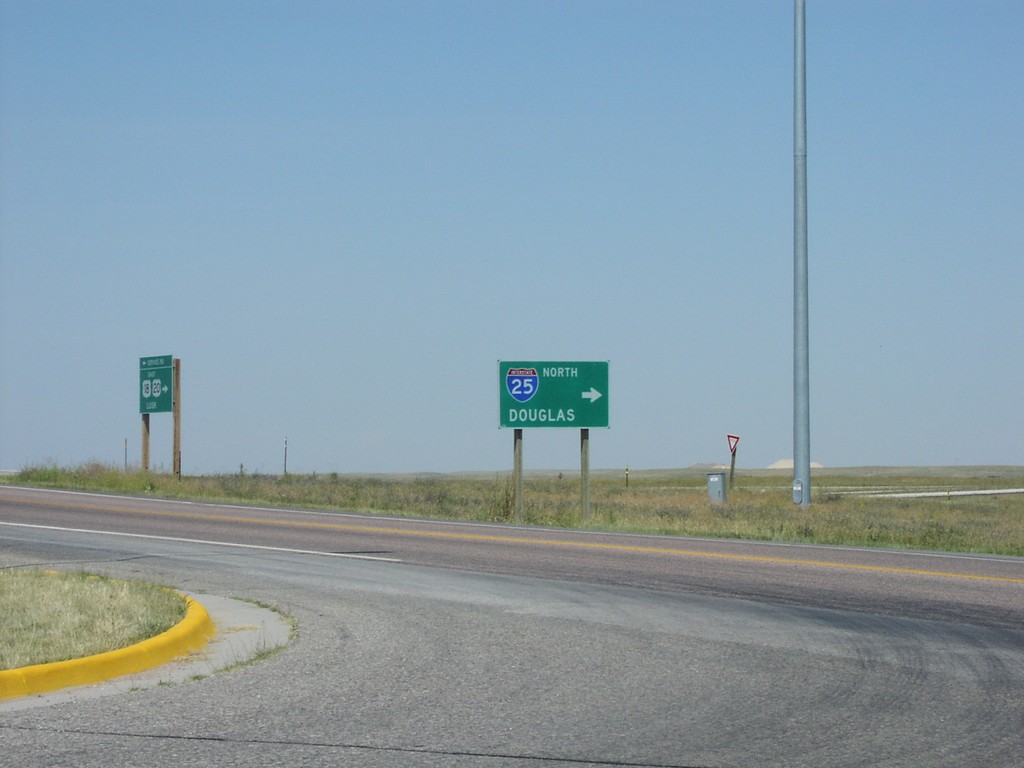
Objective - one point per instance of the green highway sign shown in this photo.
(156, 382)
(553, 394)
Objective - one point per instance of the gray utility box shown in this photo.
(716, 487)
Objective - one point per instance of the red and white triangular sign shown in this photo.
(734, 440)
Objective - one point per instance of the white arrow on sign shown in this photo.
(592, 395)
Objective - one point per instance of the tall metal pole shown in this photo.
(801, 366)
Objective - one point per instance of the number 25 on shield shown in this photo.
(521, 388)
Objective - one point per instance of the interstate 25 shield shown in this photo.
(522, 383)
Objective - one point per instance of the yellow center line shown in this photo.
(548, 542)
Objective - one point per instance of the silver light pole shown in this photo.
(801, 367)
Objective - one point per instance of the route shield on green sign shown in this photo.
(156, 384)
(553, 394)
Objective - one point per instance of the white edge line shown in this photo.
(204, 541)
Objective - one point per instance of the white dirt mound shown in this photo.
(788, 464)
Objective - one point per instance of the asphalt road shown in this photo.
(426, 643)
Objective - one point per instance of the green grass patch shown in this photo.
(673, 502)
(47, 616)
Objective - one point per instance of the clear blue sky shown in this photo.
(340, 215)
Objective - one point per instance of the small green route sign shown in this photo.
(156, 380)
(553, 394)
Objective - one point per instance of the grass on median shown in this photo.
(673, 502)
(47, 616)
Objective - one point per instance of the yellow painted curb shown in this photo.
(189, 634)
